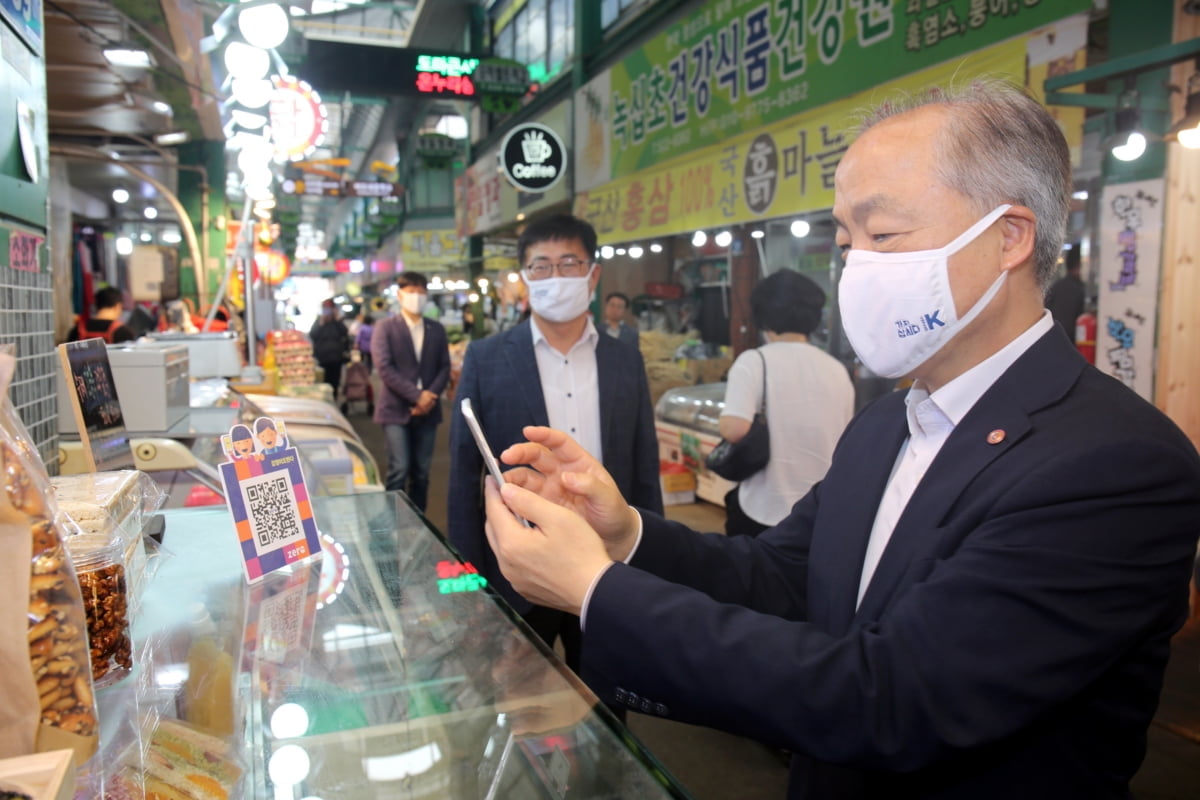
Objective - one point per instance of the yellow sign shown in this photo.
(432, 249)
(779, 170)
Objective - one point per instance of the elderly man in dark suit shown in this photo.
(977, 601)
(553, 369)
(412, 356)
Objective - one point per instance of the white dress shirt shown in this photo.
(931, 420)
(571, 387)
(417, 331)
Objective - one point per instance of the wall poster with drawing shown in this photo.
(1129, 259)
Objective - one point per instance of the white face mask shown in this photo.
(897, 308)
(413, 302)
(560, 299)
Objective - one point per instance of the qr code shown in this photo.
(271, 510)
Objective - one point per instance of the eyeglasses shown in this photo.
(568, 267)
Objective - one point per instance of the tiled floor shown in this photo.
(718, 766)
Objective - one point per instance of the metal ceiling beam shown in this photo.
(1145, 61)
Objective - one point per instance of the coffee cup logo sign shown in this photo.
(533, 157)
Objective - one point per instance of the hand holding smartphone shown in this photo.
(484, 450)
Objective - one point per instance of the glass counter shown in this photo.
(382, 668)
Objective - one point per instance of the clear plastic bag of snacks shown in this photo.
(45, 670)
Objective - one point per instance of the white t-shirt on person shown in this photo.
(810, 399)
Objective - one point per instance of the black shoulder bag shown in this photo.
(736, 461)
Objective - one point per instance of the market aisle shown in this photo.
(718, 766)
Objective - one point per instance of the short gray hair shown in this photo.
(999, 146)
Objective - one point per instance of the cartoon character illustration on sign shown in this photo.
(239, 443)
(271, 437)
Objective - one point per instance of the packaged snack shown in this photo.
(49, 705)
(100, 565)
(116, 504)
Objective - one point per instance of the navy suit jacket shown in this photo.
(500, 376)
(396, 362)
(1012, 641)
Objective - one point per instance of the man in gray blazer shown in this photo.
(412, 356)
(553, 369)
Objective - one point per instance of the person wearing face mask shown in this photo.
(331, 344)
(411, 354)
(977, 600)
(806, 395)
(553, 369)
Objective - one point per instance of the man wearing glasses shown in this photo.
(554, 369)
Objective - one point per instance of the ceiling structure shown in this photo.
(102, 117)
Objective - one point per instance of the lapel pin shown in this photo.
(996, 436)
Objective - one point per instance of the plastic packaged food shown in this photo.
(100, 565)
(115, 504)
(51, 706)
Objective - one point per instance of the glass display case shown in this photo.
(687, 425)
(384, 667)
(312, 424)
(697, 407)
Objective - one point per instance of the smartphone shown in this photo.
(484, 450)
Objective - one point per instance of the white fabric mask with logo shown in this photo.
(413, 302)
(897, 308)
(559, 299)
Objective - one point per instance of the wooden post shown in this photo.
(744, 269)
(1177, 390)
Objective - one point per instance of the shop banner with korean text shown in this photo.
(778, 170)
(431, 249)
(1129, 259)
(733, 65)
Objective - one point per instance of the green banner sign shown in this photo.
(733, 65)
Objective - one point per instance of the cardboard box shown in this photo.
(43, 776)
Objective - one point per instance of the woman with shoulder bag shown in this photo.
(804, 393)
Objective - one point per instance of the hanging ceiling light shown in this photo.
(120, 195)
(252, 93)
(1187, 130)
(607, 251)
(723, 239)
(264, 25)
(800, 228)
(757, 233)
(128, 55)
(1129, 143)
(246, 61)
(699, 239)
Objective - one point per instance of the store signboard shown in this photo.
(736, 65)
(533, 157)
(485, 200)
(1130, 259)
(25, 16)
(481, 185)
(778, 170)
(430, 249)
(299, 120)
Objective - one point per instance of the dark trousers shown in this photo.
(736, 521)
(333, 375)
(409, 454)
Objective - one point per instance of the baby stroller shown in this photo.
(356, 387)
